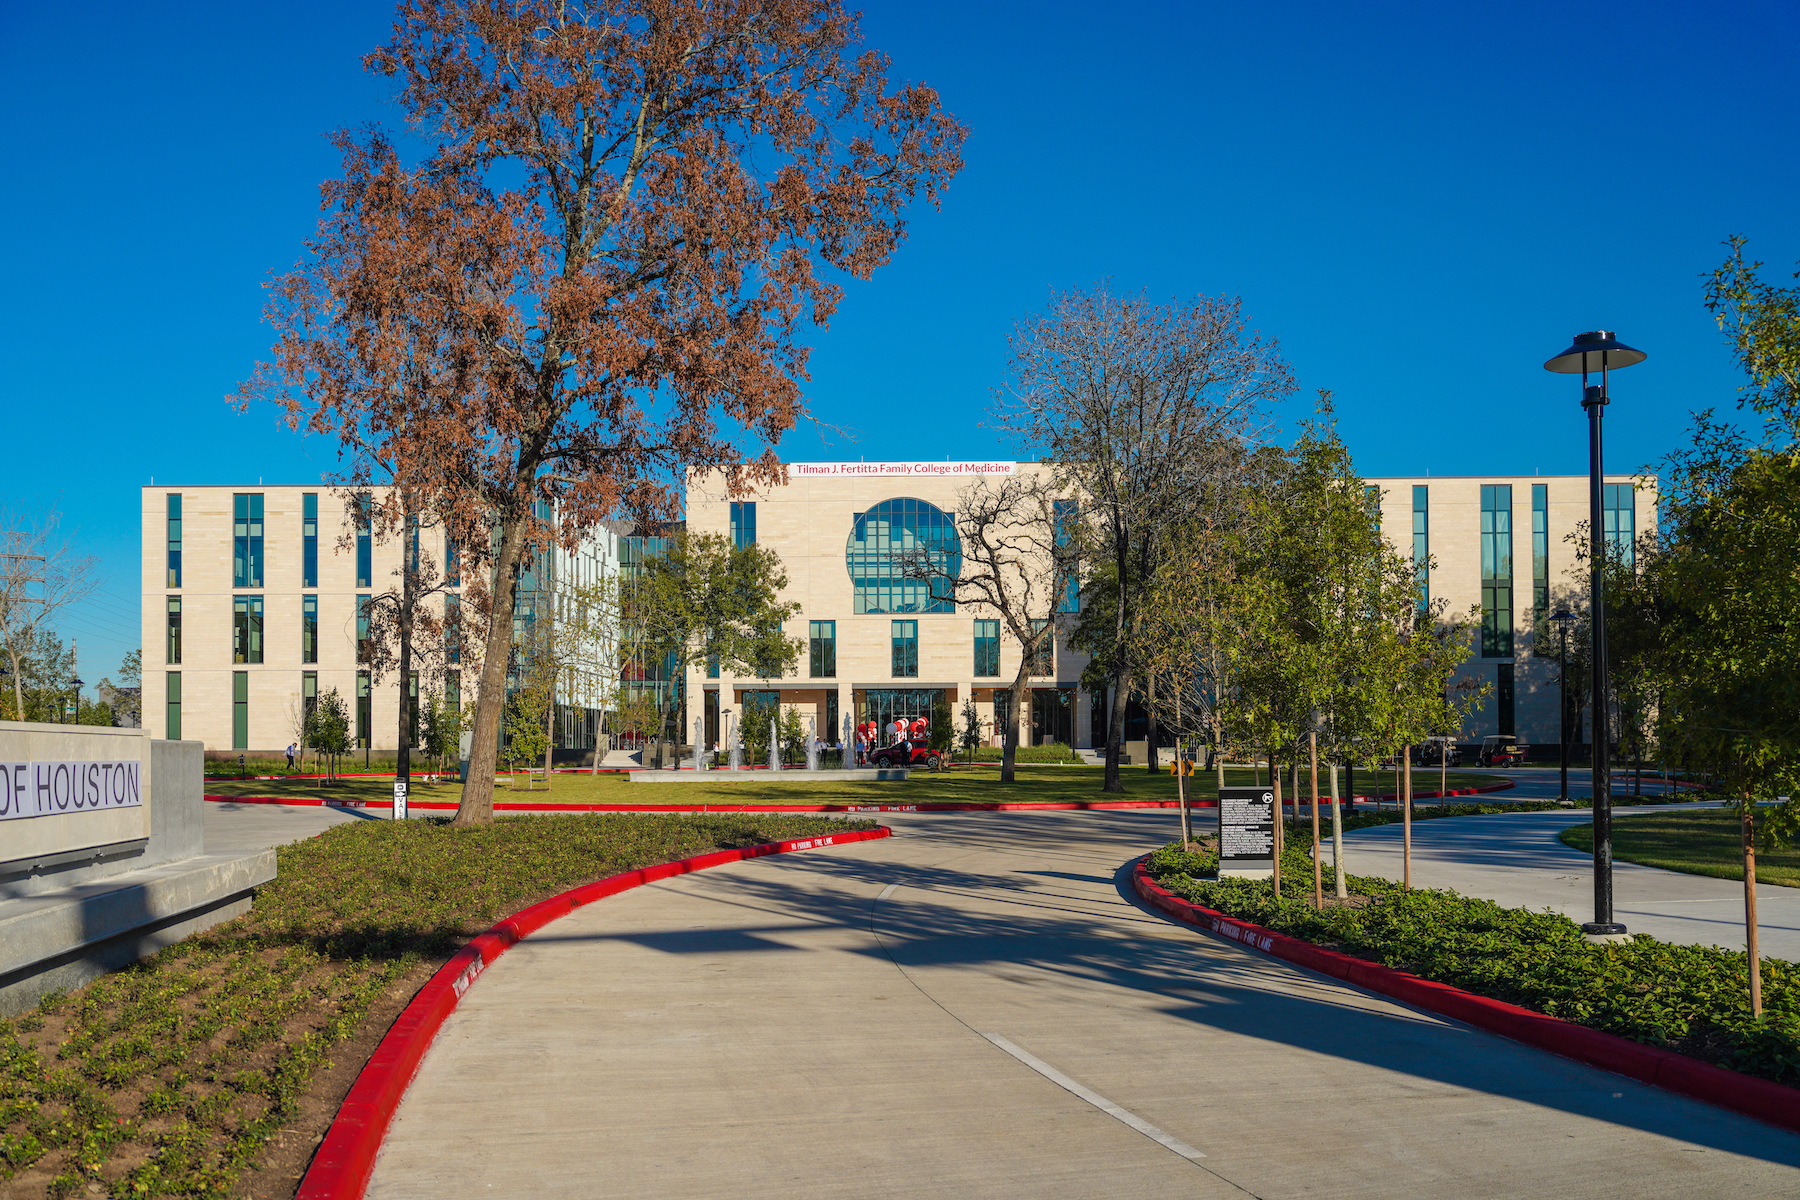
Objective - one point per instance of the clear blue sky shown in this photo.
(1421, 201)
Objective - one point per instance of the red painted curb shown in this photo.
(1022, 806)
(1774, 1103)
(341, 1168)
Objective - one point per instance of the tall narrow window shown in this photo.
(452, 562)
(1503, 699)
(309, 693)
(174, 630)
(1618, 519)
(906, 649)
(1067, 514)
(412, 710)
(453, 629)
(365, 559)
(453, 690)
(1421, 549)
(1043, 658)
(987, 648)
(309, 539)
(247, 540)
(822, 649)
(240, 710)
(1540, 555)
(362, 629)
(309, 629)
(174, 535)
(412, 544)
(1372, 501)
(174, 706)
(1496, 571)
(743, 523)
(246, 629)
(362, 709)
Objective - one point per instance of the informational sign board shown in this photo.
(1246, 833)
(399, 799)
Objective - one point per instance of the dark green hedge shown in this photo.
(1690, 999)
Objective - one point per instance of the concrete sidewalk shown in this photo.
(1516, 859)
(877, 1020)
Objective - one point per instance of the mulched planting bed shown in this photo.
(1690, 999)
(214, 1067)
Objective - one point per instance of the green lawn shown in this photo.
(978, 784)
(1702, 841)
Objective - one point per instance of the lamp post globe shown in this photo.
(1598, 352)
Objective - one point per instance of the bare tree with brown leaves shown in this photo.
(1128, 400)
(597, 277)
(1018, 562)
(40, 575)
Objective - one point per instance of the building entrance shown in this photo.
(884, 706)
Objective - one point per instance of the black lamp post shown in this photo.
(1601, 352)
(75, 683)
(1563, 618)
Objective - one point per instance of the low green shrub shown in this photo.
(1692, 999)
(171, 1077)
(1055, 752)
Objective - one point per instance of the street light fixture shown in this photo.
(75, 685)
(1563, 619)
(1602, 352)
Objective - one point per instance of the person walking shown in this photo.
(290, 756)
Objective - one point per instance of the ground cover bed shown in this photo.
(962, 784)
(214, 1068)
(1690, 999)
(1704, 841)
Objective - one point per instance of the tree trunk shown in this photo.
(1312, 753)
(1115, 732)
(1219, 748)
(1337, 836)
(1150, 738)
(477, 807)
(1406, 818)
(1750, 949)
(403, 759)
(19, 689)
(1009, 744)
(549, 734)
(1275, 782)
(1187, 827)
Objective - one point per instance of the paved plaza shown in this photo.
(976, 1007)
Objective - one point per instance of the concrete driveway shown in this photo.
(977, 1008)
(1517, 860)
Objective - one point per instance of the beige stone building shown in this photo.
(1502, 545)
(876, 648)
(251, 602)
(250, 605)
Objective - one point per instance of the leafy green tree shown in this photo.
(1720, 585)
(440, 730)
(969, 734)
(755, 724)
(328, 730)
(704, 599)
(527, 740)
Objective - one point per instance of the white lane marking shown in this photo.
(887, 891)
(1096, 1099)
